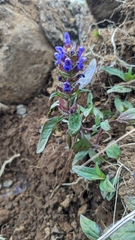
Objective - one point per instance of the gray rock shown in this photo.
(7, 183)
(26, 57)
(56, 19)
(21, 110)
(106, 9)
(62, 16)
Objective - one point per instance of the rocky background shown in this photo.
(29, 31)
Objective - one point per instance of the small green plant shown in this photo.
(96, 33)
(128, 78)
(71, 83)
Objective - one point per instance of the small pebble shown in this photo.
(7, 183)
(47, 231)
(21, 110)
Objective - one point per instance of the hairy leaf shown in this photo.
(106, 185)
(127, 115)
(81, 145)
(80, 155)
(46, 132)
(90, 228)
(113, 151)
(74, 123)
(126, 232)
(88, 74)
(88, 173)
(119, 104)
(119, 89)
(115, 72)
(105, 125)
(130, 202)
(98, 159)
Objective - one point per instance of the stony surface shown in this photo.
(105, 9)
(55, 19)
(26, 57)
(60, 16)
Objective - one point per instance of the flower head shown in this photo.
(67, 65)
(67, 40)
(67, 87)
(80, 62)
(59, 55)
(80, 51)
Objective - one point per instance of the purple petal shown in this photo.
(60, 50)
(80, 51)
(67, 86)
(80, 62)
(67, 65)
(67, 40)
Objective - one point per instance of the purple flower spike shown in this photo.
(67, 40)
(67, 87)
(67, 65)
(80, 63)
(80, 51)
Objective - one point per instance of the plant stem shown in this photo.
(102, 151)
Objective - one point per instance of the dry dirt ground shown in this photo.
(30, 209)
(27, 210)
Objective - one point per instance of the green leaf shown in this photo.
(113, 151)
(127, 115)
(129, 75)
(46, 132)
(126, 232)
(99, 172)
(130, 202)
(130, 71)
(96, 112)
(89, 100)
(79, 156)
(87, 112)
(106, 194)
(53, 95)
(74, 124)
(97, 120)
(105, 125)
(81, 145)
(55, 104)
(90, 228)
(119, 89)
(106, 185)
(127, 104)
(98, 159)
(107, 113)
(118, 104)
(82, 109)
(87, 136)
(115, 72)
(88, 173)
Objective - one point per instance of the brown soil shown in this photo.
(30, 208)
(33, 214)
